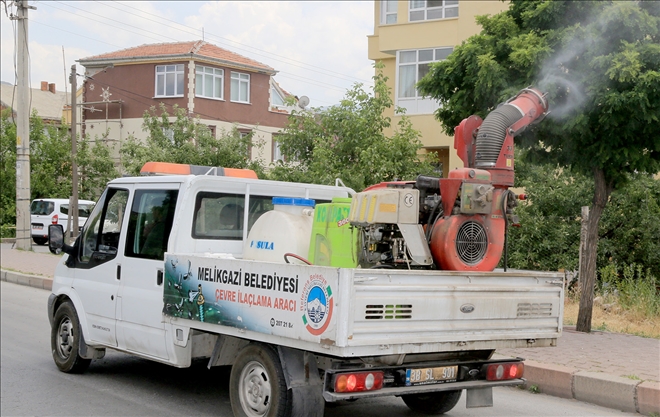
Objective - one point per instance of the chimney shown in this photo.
(51, 87)
(44, 86)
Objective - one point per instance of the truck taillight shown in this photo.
(359, 381)
(504, 371)
(55, 219)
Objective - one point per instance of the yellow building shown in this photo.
(408, 35)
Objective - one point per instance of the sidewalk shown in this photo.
(613, 370)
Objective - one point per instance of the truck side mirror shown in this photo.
(56, 243)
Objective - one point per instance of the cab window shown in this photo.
(222, 216)
(150, 223)
(100, 238)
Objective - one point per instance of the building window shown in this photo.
(169, 80)
(209, 82)
(275, 97)
(277, 151)
(412, 66)
(433, 9)
(246, 134)
(168, 132)
(240, 87)
(388, 11)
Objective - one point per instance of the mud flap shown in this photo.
(87, 352)
(479, 397)
(302, 378)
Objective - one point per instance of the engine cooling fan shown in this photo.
(467, 242)
(471, 242)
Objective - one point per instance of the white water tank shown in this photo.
(285, 229)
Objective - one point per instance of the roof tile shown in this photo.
(198, 48)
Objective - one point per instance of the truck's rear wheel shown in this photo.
(257, 387)
(432, 403)
(65, 340)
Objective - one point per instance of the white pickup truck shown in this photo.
(159, 272)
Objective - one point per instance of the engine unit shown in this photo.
(454, 223)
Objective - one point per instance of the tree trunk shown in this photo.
(602, 193)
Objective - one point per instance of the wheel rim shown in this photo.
(65, 338)
(255, 389)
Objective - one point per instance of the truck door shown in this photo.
(140, 322)
(96, 266)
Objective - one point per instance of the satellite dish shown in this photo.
(303, 102)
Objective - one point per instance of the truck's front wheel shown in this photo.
(65, 340)
(257, 387)
(432, 403)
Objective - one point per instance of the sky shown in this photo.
(319, 48)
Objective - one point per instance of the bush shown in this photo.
(7, 230)
(632, 287)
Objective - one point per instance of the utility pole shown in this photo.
(23, 229)
(74, 144)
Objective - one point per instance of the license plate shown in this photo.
(37, 227)
(431, 375)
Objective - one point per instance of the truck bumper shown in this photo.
(422, 389)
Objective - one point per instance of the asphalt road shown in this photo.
(124, 385)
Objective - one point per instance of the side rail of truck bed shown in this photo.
(362, 312)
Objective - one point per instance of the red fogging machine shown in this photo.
(456, 223)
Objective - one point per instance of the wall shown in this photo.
(403, 35)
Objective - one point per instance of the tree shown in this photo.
(347, 141)
(50, 160)
(50, 164)
(7, 169)
(180, 139)
(95, 167)
(549, 236)
(550, 218)
(599, 63)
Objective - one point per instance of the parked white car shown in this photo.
(47, 211)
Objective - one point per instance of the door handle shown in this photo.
(118, 272)
(159, 277)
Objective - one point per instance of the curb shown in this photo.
(19, 278)
(602, 389)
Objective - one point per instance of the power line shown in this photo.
(190, 30)
(252, 48)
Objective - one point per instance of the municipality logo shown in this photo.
(317, 305)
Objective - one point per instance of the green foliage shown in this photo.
(180, 139)
(549, 236)
(346, 141)
(634, 287)
(630, 228)
(50, 160)
(534, 389)
(7, 169)
(7, 230)
(95, 167)
(50, 165)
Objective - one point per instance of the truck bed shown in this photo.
(363, 312)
